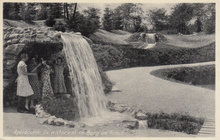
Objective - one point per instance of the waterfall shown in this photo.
(85, 78)
(151, 41)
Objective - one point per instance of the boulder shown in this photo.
(130, 124)
(59, 121)
(10, 64)
(70, 124)
(117, 107)
(50, 121)
(15, 41)
(14, 49)
(140, 116)
(43, 121)
(24, 40)
(12, 36)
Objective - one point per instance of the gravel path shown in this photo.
(152, 94)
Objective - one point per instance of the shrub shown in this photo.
(198, 75)
(62, 107)
(134, 37)
(105, 81)
(175, 122)
(9, 95)
(59, 27)
(114, 57)
(86, 24)
(50, 21)
(107, 56)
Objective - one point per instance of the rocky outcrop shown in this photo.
(14, 42)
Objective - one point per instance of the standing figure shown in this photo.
(34, 80)
(24, 89)
(47, 91)
(59, 83)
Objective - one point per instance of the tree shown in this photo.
(117, 20)
(66, 11)
(28, 12)
(12, 11)
(6, 8)
(86, 23)
(208, 18)
(56, 10)
(198, 25)
(42, 12)
(127, 16)
(92, 19)
(159, 19)
(137, 20)
(181, 14)
(108, 19)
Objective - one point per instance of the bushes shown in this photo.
(9, 95)
(50, 21)
(114, 57)
(199, 75)
(107, 84)
(175, 122)
(86, 23)
(108, 57)
(59, 27)
(63, 107)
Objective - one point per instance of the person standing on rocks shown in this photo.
(24, 89)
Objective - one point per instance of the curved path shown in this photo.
(139, 88)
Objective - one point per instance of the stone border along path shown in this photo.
(137, 87)
(208, 128)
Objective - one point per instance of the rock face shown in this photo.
(14, 42)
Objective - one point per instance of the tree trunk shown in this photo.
(67, 12)
(64, 11)
(74, 14)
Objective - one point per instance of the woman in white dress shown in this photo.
(23, 86)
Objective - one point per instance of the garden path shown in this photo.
(152, 94)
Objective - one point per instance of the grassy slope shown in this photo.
(190, 41)
(114, 38)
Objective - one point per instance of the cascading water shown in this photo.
(151, 40)
(86, 82)
(84, 74)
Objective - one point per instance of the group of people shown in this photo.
(34, 81)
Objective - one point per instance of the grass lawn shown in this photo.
(190, 41)
(114, 37)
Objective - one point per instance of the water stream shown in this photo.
(86, 81)
(84, 75)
